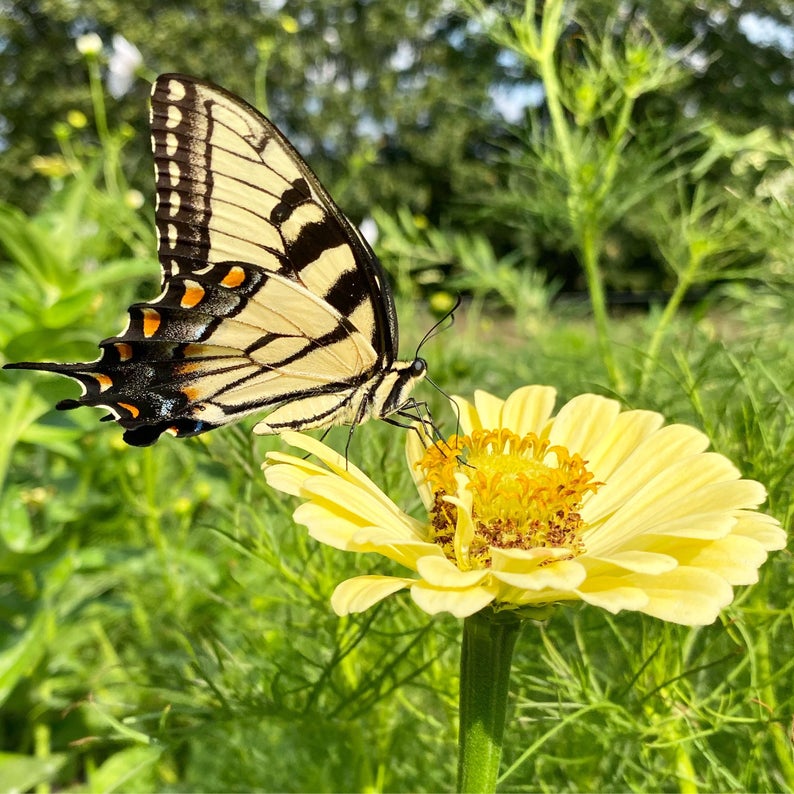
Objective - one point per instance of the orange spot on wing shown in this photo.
(193, 295)
(104, 381)
(135, 413)
(193, 350)
(198, 350)
(151, 322)
(124, 350)
(191, 392)
(234, 277)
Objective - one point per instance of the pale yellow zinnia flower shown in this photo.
(527, 509)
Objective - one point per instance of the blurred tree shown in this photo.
(404, 104)
(741, 61)
(403, 91)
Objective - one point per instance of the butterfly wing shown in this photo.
(270, 297)
(230, 187)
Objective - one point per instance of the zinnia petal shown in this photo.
(613, 593)
(628, 431)
(735, 558)
(469, 418)
(583, 422)
(690, 596)
(287, 473)
(405, 552)
(653, 456)
(670, 496)
(763, 528)
(357, 507)
(464, 527)
(337, 465)
(527, 410)
(440, 572)
(639, 561)
(362, 592)
(414, 451)
(489, 409)
(561, 576)
(519, 560)
(460, 603)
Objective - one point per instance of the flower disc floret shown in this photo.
(526, 494)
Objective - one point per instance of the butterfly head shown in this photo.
(393, 392)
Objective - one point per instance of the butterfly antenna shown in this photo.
(436, 329)
(419, 411)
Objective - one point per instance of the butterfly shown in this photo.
(270, 298)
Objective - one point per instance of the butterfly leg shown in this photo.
(419, 411)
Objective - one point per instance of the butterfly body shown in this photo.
(271, 299)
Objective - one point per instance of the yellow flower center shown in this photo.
(525, 494)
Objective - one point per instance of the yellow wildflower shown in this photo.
(526, 509)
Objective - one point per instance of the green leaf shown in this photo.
(24, 772)
(128, 770)
(23, 651)
(69, 310)
(16, 534)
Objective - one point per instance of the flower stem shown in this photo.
(590, 249)
(488, 643)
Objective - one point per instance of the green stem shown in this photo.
(590, 246)
(42, 739)
(264, 51)
(618, 136)
(585, 210)
(109, 146)
(486, 654)
(668, 315)
(98, 100)
(551, 29)
(768, 696)
(685, 770)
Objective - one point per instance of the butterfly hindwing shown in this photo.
(270, 298)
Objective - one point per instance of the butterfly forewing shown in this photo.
(270, 297)
(230, 187)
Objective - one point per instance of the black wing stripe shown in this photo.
(220, 133)
(344, 293)
(172, 168)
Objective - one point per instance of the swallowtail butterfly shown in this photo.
(271, 299)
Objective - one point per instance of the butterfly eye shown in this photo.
(419, 367)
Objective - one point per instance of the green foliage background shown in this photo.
(395, 105)
(165, 625)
